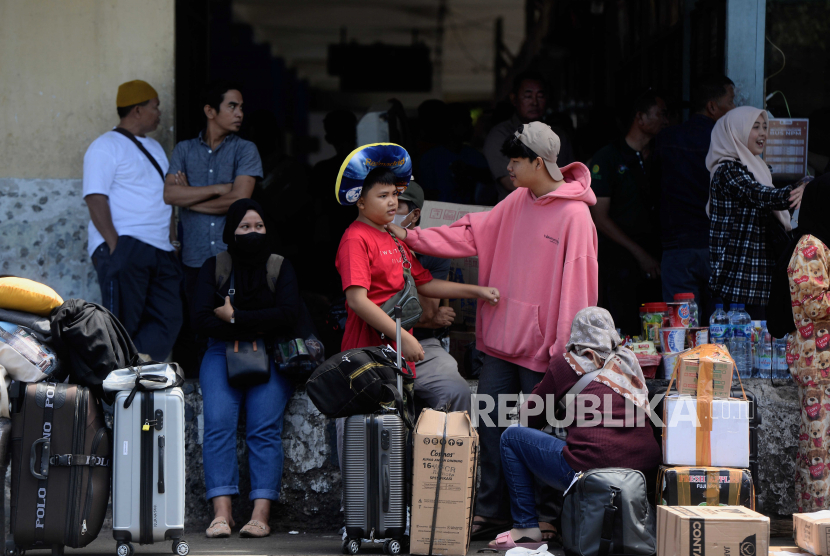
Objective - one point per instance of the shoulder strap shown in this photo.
(272, 268)
(138, 144)
(224, 265)
(576, 389)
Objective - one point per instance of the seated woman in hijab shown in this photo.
(528, 454)
(800, 311)
(255, 312)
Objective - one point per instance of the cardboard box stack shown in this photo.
(710, 531)
(705, 453)
(445, 458)
(464, 271)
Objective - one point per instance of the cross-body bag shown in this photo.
(138, 144)
(407, 298)
(248, 361)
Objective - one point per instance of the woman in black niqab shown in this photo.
(257, 312)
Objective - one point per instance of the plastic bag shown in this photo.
(297, 358)
(155, 376)
(21, 340)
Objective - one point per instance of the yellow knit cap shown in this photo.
(134, 92)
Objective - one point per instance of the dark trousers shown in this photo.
(140, 286)
(624, 287)
(493, 499)
(688, 271)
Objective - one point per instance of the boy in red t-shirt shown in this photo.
(371, 269)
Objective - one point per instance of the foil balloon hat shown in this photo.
(363, 160)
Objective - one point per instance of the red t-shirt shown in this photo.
(369, 258)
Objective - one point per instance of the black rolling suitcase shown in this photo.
(375, 475)
(60, 479)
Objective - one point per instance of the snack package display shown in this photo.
(363, 160)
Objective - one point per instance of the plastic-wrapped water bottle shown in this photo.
(719, 326)
(733, 308)
(782, 369)
(741, 324)
(763, 350)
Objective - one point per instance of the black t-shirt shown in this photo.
(619, 173)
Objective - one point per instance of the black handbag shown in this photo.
(248, 361)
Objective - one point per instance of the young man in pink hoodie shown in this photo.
(539, 248)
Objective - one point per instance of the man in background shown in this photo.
(131, 236)
(530, 100)
(679, 172)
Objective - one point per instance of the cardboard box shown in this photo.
(711, 531)
(812, 532)
(705, 486)
(464, 271)
(454, 434)
(727, 434)
(720, 364)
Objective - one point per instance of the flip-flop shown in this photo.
(505, 542)
(488, 529)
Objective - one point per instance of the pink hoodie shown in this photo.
(541, 254)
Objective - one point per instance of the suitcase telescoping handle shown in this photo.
(398, 315)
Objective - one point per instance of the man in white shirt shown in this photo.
(131, 232)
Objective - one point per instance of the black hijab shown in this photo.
(249, 266)
(812, 220)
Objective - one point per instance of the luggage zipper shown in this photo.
(78, 430)
(146, 498)
(373, 509)
(87, 508)
(362, 370)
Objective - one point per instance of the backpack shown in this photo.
(361, 381)
(224, 267)
(606, 512)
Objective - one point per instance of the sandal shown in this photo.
(505, 542)
(550, 533)
(219, 529)
(486, 529)
(254, 530)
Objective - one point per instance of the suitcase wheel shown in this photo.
(351, 546)
(181, 548)
(13, 550)
(392, 546)
(125, 549)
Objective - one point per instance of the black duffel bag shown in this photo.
(361, 381)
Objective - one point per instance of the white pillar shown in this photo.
(744, 64)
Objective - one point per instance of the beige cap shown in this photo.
(541, 139)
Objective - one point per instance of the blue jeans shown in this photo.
(526, 453)
(264, 410)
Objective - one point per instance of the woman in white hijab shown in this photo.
(745, 209)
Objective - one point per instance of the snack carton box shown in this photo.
(721, 366)
(812, 532)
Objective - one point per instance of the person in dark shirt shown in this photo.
(626, 217)
(437, 382)
(531, 455)
(341, 133)
(679, 172)
(255, 313)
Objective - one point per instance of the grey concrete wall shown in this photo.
(43, 235)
